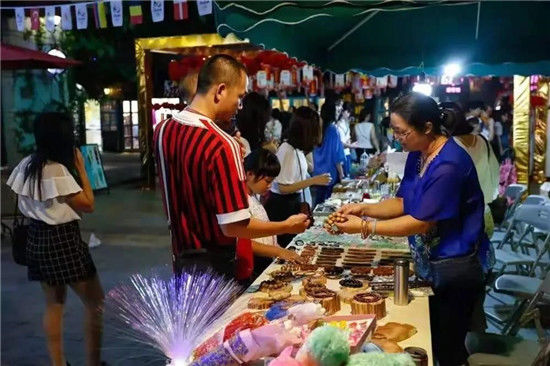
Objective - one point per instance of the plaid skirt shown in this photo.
(57, 255)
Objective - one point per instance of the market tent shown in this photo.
(14, 57)
(394, 36)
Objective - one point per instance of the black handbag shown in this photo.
(19, 236)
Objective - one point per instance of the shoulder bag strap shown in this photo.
(301, 175)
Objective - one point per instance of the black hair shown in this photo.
(54, 137)
(252, 118)
(363, 114)
(304, 131)
(456, 123)
(346, 106)
(328, 114)
(262, 163)
(419, 109)
(476, 105)
(219, 69)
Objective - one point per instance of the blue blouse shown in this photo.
(330, 153)
(449, 194)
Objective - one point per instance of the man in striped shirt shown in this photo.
(202, 175)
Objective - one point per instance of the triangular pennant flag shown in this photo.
(20, 19)
(180, 10)
(50, 18)
(157, 10)
(66, 18)
(116, 13)
(81, 16)
(136, 16)
(204, 7)
(35, 18)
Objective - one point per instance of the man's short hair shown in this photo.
(219, 69)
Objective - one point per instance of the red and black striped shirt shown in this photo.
(204, 181)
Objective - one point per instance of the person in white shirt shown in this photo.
(344, 130)
(262, 167)
(487, 168)
(366, 135)
(273, 128)
(53, 188)
(291, 187)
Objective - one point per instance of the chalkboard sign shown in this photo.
(94, 166)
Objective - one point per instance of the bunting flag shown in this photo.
(81, 16)
(100, 16)
(136, 16)
(180, 10)
(116, 13)
(157, 10)
(50, 18)
(204, 7)
(66, 18)
(20, 19)
(35, 19)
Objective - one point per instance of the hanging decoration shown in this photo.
(116, 13)
(180, 10)
(20, 19)
(136, 16)
(35, 19)
(81, 16)
(50, 18)
(204, 7)
(157, 10)
(66, 19)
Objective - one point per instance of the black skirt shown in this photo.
(57, 255)
(279, 207)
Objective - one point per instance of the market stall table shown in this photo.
(416, 313)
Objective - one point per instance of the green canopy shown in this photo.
(398, 37)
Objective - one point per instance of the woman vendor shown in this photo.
(439, 206)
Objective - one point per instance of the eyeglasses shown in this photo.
(401, 135)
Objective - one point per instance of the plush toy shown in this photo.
(380, 359)
(326, 346)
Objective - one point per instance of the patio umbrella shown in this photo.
(14, 57)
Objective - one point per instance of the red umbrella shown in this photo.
(13, 57)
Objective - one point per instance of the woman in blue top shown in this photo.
(439, 206)
(329, 156)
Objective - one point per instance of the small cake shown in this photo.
(333, 272)
(285, 276)
(311, 287)
(369, 303)
(327, 298)
(307, 269)
(259, 303)
(315, 279)
(269, 286)
(290, 267)
(383, 271)
(349, 287)
(362, 272)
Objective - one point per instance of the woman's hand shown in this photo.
(357, 209)
(322, 179)
(351, 225)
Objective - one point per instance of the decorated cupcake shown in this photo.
(349, 287)
(369, 303)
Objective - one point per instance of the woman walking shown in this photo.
(53, 188)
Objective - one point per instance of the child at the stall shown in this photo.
(253, 256)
